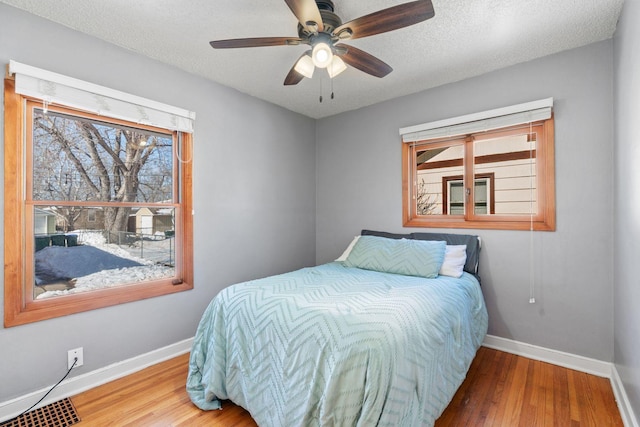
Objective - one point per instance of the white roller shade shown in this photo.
(480, 122)
(59, 89)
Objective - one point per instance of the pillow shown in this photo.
(400, 256)
(455, 256)
(472, 242)
(347, 251)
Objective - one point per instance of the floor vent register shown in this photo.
(57, 414)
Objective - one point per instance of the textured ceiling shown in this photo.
(464, 39)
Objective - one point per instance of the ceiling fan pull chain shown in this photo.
(320, 89)
(331, 78)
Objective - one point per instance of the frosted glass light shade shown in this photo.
(321, 55)
(305, 66)
(336, 67)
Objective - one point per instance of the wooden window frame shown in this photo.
(543, 220)
(19, 305)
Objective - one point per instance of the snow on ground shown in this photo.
(54, 264)
(95, 264)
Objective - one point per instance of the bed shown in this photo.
(374, 338)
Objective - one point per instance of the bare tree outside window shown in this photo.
(76, 159)
(426, 202)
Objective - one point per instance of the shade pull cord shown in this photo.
(532, 280)
(177, 147)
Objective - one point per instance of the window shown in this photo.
(511, 167)
(91, 215)
(97, 209)
(453, 193)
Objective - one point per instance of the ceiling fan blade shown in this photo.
(306, 11)
(255, 42)
(294, 77)
(388, 19)
(364, 61)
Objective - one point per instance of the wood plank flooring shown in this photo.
(501, 389)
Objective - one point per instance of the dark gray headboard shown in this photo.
(472, 242)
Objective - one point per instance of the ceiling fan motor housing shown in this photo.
(325, 5)
(330, 20)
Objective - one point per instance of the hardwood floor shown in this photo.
(501, 389)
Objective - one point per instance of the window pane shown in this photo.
(481, 191)
(481, 196)
(456, 193)
(74, 254)
(512, 161)
(78, 159)
(432, 166)
(456, 198)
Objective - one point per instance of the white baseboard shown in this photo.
(571, 361)
(75, 385)
(626, 410)
(555, 357)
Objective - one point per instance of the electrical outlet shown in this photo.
(72, 354)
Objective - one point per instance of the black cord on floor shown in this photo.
(75, 360)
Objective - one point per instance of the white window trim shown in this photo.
(479, 122)
(59, 89)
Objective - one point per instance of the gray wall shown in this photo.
(254, 197)
(255, 218)
(359, 186)
(627, 202)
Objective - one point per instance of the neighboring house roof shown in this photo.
(153, 211)
(43, 212)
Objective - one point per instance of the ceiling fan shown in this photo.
(323, 30)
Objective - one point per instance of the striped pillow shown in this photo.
(400, 256)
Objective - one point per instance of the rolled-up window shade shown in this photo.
(63, 90)
(480, 122)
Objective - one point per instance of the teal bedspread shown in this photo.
(338, 346)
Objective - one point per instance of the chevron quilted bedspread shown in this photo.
(338, 346)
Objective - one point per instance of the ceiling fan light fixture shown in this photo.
(336, 67)
(321, 55)
(305, 66)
